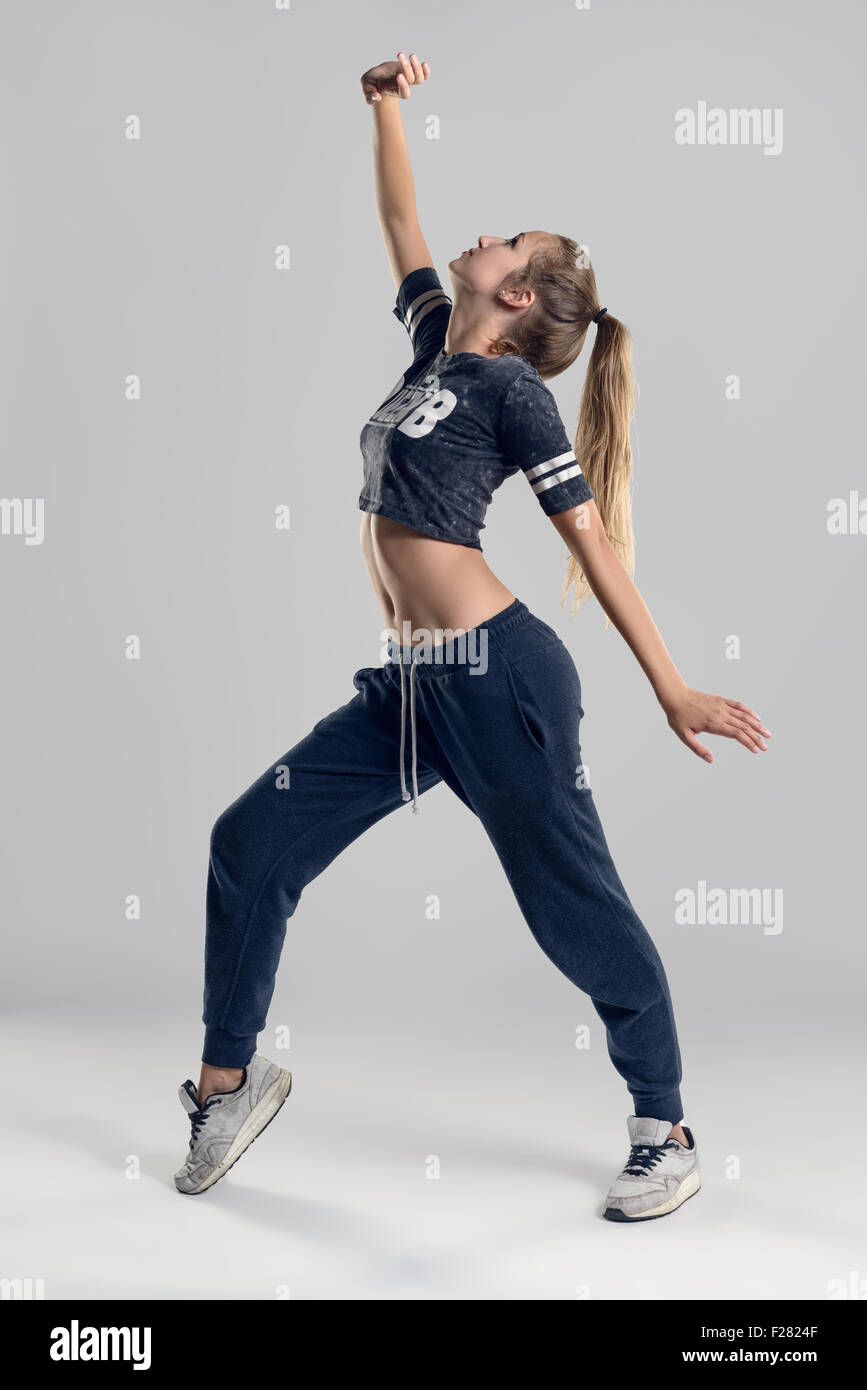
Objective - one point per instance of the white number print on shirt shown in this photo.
(416, 408)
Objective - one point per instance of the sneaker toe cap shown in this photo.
(639, 1197)
(633, 1206)
(188, 1178)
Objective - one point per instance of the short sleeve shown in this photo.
(423, 308)
(534, 437)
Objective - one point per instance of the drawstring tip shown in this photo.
(416, 810)
(405, 796)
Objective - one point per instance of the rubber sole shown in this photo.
(257, 1121)
(688, 1188)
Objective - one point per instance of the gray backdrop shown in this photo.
(156, 257)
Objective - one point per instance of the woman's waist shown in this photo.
(430, 617)
(431, 583)
(503, 635)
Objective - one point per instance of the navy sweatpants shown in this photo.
(495, 715)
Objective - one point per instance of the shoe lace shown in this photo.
(643, 1158)
(197, 1120)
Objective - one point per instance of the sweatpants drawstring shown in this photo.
(416, 809)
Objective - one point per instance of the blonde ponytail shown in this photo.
(603, 447)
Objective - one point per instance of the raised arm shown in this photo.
(689, 712)
(384, 86)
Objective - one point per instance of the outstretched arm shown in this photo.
(384, 86)
(689, 712)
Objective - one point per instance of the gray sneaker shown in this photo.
(659, 1175)
(229, 1122)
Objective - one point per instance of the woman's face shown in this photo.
(483, 267)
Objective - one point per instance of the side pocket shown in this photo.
(527, 710)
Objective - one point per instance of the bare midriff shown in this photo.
(428, 588)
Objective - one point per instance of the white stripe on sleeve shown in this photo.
(421, 306)
(531, 473)
(553, 479)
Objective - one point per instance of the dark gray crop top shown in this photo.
(456, 425)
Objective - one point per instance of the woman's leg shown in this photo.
(509, 743)
(272, 841)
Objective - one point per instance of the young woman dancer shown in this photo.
(489, 692)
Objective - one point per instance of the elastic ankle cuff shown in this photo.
(225, 1049)
(668, 1107)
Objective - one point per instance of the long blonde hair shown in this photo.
(550, 335)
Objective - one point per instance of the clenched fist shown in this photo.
(394, 78)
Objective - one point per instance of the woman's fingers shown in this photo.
(412, 71)
(417, 67)
(751, 713)
(748, 724)
(736, 704)
(728, 723)
(743, 735)
(739, 712)
(752, 732)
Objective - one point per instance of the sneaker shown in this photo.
(660, 1173)
(229, 1122)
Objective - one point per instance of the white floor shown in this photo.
(333, 1200)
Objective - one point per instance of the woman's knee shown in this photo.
(230, 843)
(249, 855)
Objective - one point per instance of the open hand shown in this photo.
(393, 78)
(692, 712)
